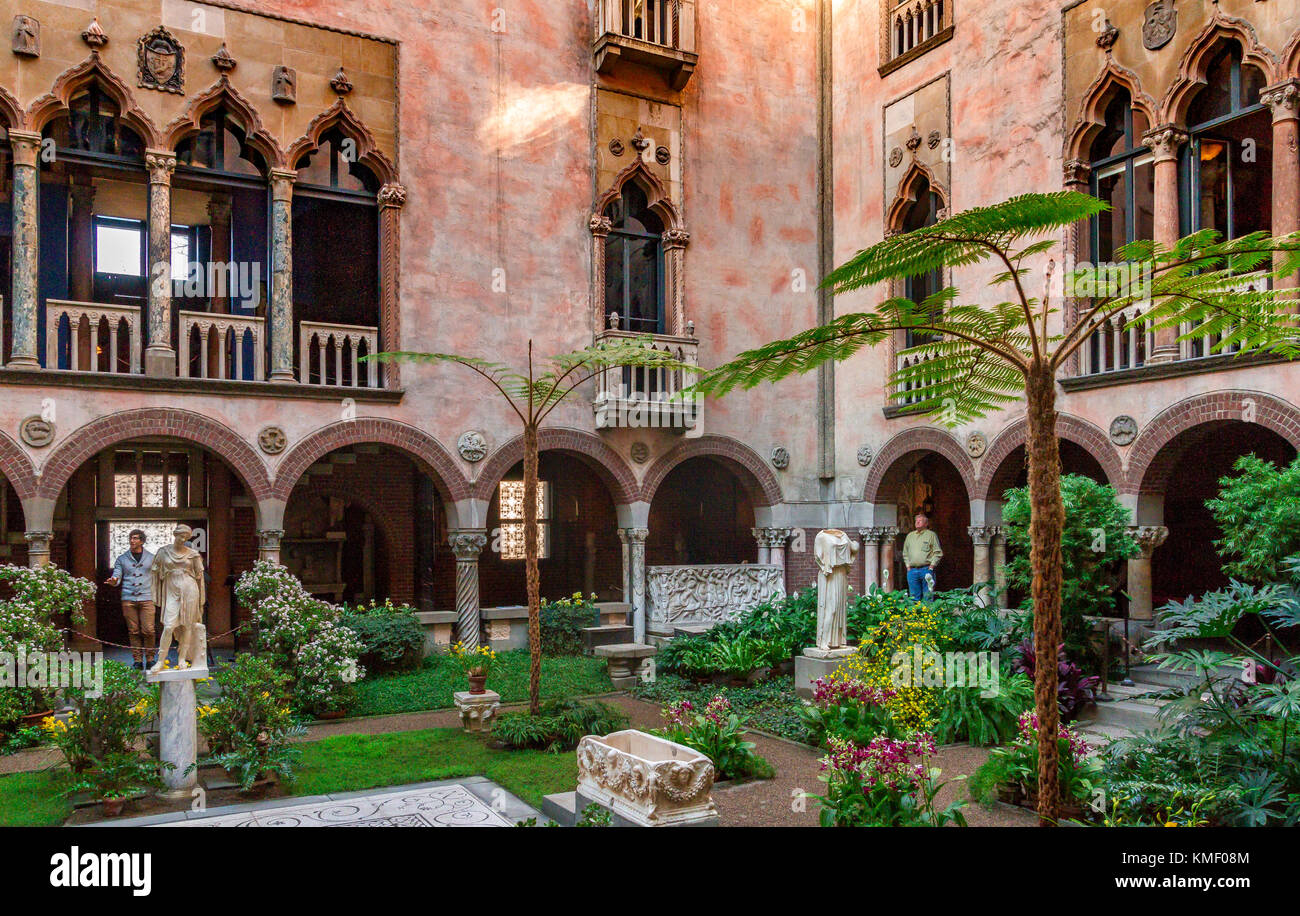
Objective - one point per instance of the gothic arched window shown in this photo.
(634, 263)
(923, 212)
(1123, 175)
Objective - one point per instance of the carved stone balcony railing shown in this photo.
(647, 396)
(912, 27)
(90, 337)
(329, 354)
(655, 33)
(707, 595)
(914, 391)
(217, 346)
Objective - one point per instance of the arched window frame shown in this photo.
(617, 212)
(1134, 156)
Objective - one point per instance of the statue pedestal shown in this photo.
(477, 709)
(816, 663)
(178, 731)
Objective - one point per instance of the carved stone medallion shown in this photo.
(976, 445)
(1160, 24)
(272, 440)
(341, 84)
(36, 431)
(780, 457)
(472, 445)
(895, 157)
(616, 147)
(284, 85)
(865, 454)
(27, 36)
(223, 60)
(640, 452)
(1123, 430)
(934, 139)
(94, 35)
(662, 155)
(161, 60)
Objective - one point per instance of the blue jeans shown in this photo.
(916, 586)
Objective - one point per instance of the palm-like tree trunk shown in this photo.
(1047, 518)
(531, 571)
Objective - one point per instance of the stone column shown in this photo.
(627, 567)
(888, 537)
(38, 547)
(280, 313)
(675, 242)
(1000, 564)
(81, 241)
(600, 227)
(467, 544)
(1164, 142)
(636, 549)
(1148, 537)
(1284, 100)
(392, 197)
(26, 249)
(160, 355)
(219, 222)
(870, 557)
(982, 537)
(776, 546)
(763, 536)
(268, 544)
(178, 739)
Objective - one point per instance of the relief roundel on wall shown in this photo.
(161, 59)
(1160, 24)
(36, 431)
(1123, 430)
(272, 440)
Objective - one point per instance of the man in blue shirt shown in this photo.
(132, 571)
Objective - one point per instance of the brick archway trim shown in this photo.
(757, 477)
(1148, 470)
(418, 445)
(918, 439)
(607, 463)
(1087, 436)
(98, 435)
(17, 468)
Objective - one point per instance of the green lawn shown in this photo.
(431, 685)
(348, 763)
(32, 800)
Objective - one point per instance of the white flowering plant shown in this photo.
(43, 597)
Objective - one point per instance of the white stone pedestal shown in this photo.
(178, 733)
(477, 709)
(816, 663)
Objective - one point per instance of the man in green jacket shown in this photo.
(921, 553)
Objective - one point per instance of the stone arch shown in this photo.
(1148, 468)
(753, 471)
(603, 460)
(888, 467)
(17, 468)
(1191, 69)
(99, 434)
(656, 192)
(341, 116)
(223, 92)
(993, 479)
(1092, 112)
(907, 191)
(1291, 57)
(11, 112)
(92, 69)
(426, 451)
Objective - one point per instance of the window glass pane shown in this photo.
(156, 534)
(512, 499)
(118, 249)
(1111, 226)
(1252, 84)
(512, 540)
(1212, 167)
(1144, 203)
(614, 276)
(124, 496)
(180, 253)
(643, 284)
(1215, 100)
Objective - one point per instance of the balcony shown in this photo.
(216, 346)
(659, 34)
(911, 28)
(641, 397)
(915, 389)
(330, 354)
(90, 337)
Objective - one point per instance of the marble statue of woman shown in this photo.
(834, 552)
(178, 595)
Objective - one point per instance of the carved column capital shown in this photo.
(1284, 99)
(269, 538)
(1149, 537)
(1077, 172)
(600, 225)
(392, 195)
(1164, 141)
(676, 238)
(38, 547)
(981, 535)
(282, 183)
(161, 164)
(467, 544)
(26, 145)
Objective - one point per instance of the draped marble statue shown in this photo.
(178, 593)
(834, 553)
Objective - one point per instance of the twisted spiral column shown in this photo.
(467, 544)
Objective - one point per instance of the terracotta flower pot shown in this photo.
(477, 683)
(34, 718)
(112, 806)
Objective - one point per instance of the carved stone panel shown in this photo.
(1159, 25)
(284, 85)
(27, 37)
(161, 60)
(694, 595)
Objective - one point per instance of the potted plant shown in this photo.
(117, 777)
(476, 663)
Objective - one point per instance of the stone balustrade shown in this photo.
(72, 337)
(224, 345)
(337, 350)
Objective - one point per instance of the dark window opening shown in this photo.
(634, 263)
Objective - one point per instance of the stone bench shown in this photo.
(606, 635)
(629, 662)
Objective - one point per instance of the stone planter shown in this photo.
(112, 807)
(646, 781)
(34, 718)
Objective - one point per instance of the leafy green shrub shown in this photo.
(1014, 767)
(559, 725)
(847, 709)
(101, 726)
(390, 635)
(119, 774)
(249, 727)
(966, 715)
(717, 733)
(1258, 513)
(43, 597)
(563, 622)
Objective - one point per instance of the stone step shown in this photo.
(1150, 674)
(606, 635)
(1135, 715)
(1103, 734)
(562, 807)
